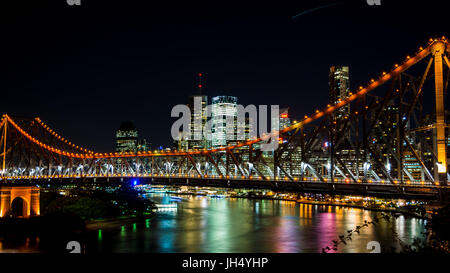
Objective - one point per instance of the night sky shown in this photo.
(85, 69)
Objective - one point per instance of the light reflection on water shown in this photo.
(203, 224)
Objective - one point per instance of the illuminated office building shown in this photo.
(126, 137)
(284, 119)
(194, 137)
(223, 112)
(339, 85)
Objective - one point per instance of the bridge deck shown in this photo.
(405, 191)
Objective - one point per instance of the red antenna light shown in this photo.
(200, 82)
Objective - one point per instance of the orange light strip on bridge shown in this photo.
(362, 91)
(39, 143)
(47, 128)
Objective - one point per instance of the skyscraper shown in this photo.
(283, 120)
(194, 138)
(126, 137)
(223, 121)
(293, 158)
(339, 85)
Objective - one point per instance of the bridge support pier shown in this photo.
(438, 50)
(28, 195)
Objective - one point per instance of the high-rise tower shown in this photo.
(197, 103)
(224, 120)
(339, 85)
(126, 137)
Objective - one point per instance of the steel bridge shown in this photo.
(389, 142)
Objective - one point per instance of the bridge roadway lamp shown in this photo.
(388, 167)
(441, 167)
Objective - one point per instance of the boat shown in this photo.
(217, 196)
(157, 189)
(166, 207)
(175, 198)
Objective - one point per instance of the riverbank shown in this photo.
(391, 210)
(310, 202)
(39, 224)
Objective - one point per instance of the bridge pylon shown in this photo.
(438, 50)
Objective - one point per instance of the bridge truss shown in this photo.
(388, 138)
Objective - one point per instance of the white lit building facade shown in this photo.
(223, 121)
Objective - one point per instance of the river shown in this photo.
(204, 224)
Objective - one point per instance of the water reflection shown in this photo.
(203, 224)
(13, 244)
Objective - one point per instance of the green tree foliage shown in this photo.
(84, 207)
(89, 208)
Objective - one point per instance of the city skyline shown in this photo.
(123, 70)
(199, 128)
